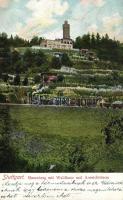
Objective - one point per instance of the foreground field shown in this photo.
(64, 139)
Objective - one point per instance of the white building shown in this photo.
(65, 43)
(57, 44)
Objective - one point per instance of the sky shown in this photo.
(28, 18)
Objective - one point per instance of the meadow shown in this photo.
(64, 139)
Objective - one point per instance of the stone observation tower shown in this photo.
(64, 43)
(66, 30)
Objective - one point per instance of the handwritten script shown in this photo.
(61, 186)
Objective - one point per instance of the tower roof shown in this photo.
(66, 22)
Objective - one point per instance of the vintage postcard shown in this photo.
(61, 99)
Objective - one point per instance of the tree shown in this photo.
(17, 80)
(18, 68)
(44, 68)
(115, 77)
(34, 59)
(40, 58)
(98, 39)
(9, 157)
(55, 63)
(37, 79)
(4, 42)
(106, 37)
(2, 98)
(15, 61)
(25, 81)
(18, 42)
(93, 41)
(5, 60)
(65, 60)
(28, 59)
(35, 41)
(15, 56)
(86, 40)
(77, 43)
(83, 42)
(11, 41)
(45, 78)
(113, 131)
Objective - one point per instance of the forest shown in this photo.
(105, 47)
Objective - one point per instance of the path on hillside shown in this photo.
(37, 105)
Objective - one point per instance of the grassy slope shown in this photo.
(50, 133)
(62, 121)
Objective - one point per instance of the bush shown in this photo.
(5, 77)
(60, 78)
(2, 98)
(55, 63)
(37, 79)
